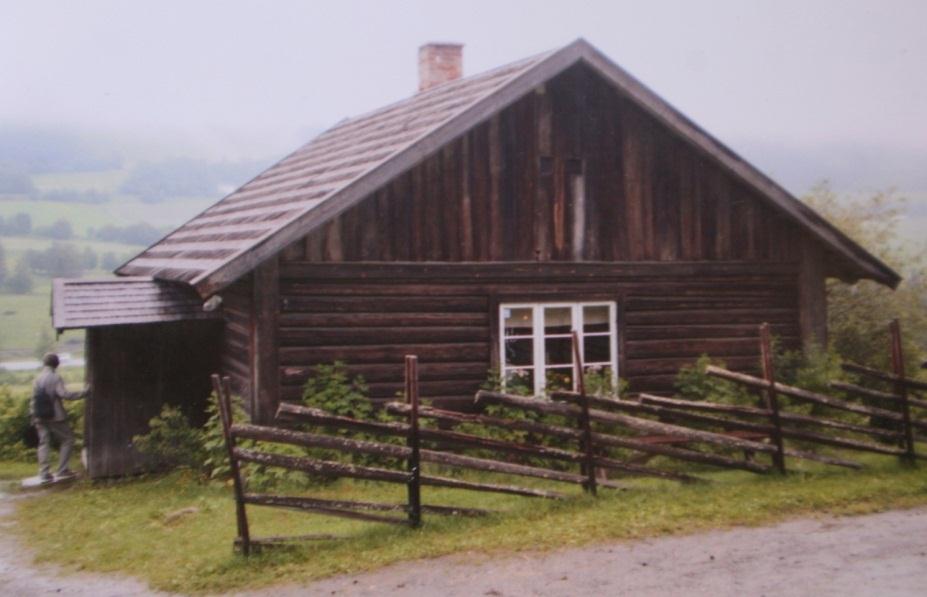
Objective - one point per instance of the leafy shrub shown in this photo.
(171, 441)
(601, 382)
(693, 383)
(858, 314)
(14, 423)
(216, 463)
(332, 389)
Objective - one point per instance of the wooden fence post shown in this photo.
(772, 399)
(412, 441)
(224, 402)
(901, 388)
(586, 445)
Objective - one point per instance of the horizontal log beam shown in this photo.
(321, 467)
(495, 466)
(468, 272)
(313, 440)
(299, 501)
(866, 392)
(784, 416)
(646, 471)
(600, 439)
(609, 402)
(635, 423)
(839, 442)
(756, 382)
(861, 370)
(630, 406)
(704, 406)
(341, 509)
(304, 414)
(448, 482)
(379, 449)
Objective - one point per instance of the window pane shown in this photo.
(519, 352)
(595, 319)
(520, 381)
(558, 351)
(517, 321)
(597, 349)
(559, 379)
(558, 320)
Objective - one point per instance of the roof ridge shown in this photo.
(440, 87)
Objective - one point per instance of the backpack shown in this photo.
(43, 406)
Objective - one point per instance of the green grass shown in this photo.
(14, 471)
(121, 211)
(22, 318)
(124, 527)
(16, 246)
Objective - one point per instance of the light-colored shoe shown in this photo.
(46, 479)
(65, 476)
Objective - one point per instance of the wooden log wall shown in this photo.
(571, 172)
(134, 371)
(236, 349)
(371, 315)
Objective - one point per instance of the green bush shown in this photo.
(14, 423)
(172, 442)
(693, 383)
(216, 463)
(333, 390)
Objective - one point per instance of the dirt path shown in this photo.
(883, 554)
(18, 576)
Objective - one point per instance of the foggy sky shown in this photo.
(241, 78)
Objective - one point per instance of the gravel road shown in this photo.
(884, 554)
(880, 554)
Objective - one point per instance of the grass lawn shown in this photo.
(120, 211)
(16, 246)
(22, 318)
(125, 526)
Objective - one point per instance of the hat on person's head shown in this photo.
(51, 360)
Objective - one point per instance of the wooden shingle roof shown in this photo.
(355, 157)
(346, 156)
(87, 303)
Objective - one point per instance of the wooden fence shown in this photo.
(891, 428)
(593, 435)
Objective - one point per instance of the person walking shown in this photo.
(50, 418)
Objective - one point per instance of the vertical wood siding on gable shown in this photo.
(501, 192)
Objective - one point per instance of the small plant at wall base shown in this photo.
(693, 383)
(172, 442)
(332, 389)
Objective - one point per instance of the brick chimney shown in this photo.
(439, 63)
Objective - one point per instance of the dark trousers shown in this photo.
(65, 436)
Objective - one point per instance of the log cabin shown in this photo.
(474, 224)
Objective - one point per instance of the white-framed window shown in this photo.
(536, 347)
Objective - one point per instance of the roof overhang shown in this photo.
(99, 302)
